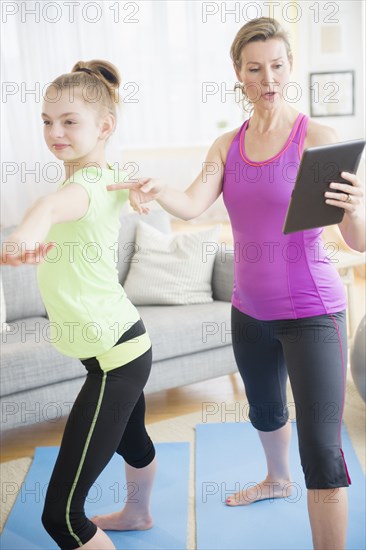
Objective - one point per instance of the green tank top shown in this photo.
(87, 307)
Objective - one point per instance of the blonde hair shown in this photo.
(103, 77)
(261, 29)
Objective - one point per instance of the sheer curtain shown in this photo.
(177, 78)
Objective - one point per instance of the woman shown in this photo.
(285, 289)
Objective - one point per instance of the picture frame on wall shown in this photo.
(332, 93)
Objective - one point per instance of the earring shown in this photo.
(245, 102)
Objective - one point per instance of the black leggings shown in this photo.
(108, 416)
(313, 352)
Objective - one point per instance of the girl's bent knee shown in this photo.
(53, 522)
(67, 535)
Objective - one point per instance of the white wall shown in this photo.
(350, 55)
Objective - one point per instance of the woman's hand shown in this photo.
(351, 198)
(14, 253)
(141, 191)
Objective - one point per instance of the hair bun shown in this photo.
(104, 70)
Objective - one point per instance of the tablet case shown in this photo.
(318, 167)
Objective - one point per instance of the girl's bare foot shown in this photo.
(122, 521)
(267, 489)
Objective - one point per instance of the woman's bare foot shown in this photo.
(267, 489)
(122, 521)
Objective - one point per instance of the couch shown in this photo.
(191, 343)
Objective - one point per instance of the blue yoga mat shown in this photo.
(228, 457)
(169, 505)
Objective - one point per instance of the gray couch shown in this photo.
(191, 343)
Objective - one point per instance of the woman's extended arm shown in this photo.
(25, 244)
(199, 196)
(202, 193)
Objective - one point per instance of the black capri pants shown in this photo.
(313, 352)
(108, 416)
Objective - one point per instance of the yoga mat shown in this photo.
(169, 504)
(229, 456)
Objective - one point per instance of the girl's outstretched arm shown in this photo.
(25, 244)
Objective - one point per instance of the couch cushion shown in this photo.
(22, 296)
(182, 330)
(172, 269)
(127, 236)
(29, 360)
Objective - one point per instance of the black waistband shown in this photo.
(136, 330)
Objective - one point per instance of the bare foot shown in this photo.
(122, 521)
(267, 489)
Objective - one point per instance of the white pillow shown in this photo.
(3, 325)
(173, 268)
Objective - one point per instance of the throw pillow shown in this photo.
(172, 269)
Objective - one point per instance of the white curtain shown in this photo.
(164, 53)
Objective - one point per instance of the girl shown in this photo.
(295, 303)
(91, 316)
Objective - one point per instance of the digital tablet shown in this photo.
(318, 167)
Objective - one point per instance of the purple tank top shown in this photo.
(276, 276)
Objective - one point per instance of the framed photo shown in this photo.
(332, 94)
